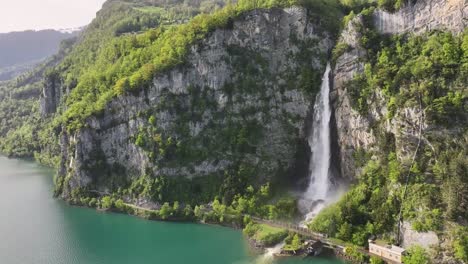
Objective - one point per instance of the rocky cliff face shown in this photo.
(355, 131)
(51, 94)
(244, 86)
(423, 16)
(410, 132)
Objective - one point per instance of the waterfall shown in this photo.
(318, 193)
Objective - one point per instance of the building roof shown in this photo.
(392, 248)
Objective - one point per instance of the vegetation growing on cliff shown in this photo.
(119, 52)
(389, 5)
(429, 70)
(428, 74)
(128, 63)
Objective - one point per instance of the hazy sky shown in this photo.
(17, 15)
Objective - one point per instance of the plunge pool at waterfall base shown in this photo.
(35, 228)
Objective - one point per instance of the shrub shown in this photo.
(339, 50)
(166, 211)
(250, 229)
(416, 255)
(119, 204)
(107, 202)
(460, 244)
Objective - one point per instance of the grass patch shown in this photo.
(269, 235)
(150, 9)
(265, 234)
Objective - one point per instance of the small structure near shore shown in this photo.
(308, 248)
(390, 253)
(314, 248)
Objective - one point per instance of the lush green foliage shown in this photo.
(460, 244)
(128, 63)
(388, 5)
(119, 53)
(264, 234)
(354, 253)
(409, 70)
(376, 260)
(367, 209)
(293, 242)
(416, 255)
(23, 133)
(427, 72)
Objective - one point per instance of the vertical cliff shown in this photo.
(51, 93)
(424, 16)
(355, 131)
(236, 108)
(400, 105)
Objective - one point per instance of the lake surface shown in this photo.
(38, 229)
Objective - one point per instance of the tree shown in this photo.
(296, 242)
(176, 206)
(93, 202)
(345, 232)
(166, 211)
(106, 202)
(140, 141)
(119, 204)
(265, 191)
(250, 229)
(242, 205)
(461, 245)
(152, 120)
(416, 255)
(219, 209)
(199, 211)
(272, 212)
(376, 260)
(188, 211)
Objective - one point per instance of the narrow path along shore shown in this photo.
(287, 226)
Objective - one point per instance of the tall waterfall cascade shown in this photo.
(320, 191)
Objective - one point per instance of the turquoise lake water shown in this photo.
(35, 228)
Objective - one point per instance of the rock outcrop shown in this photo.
(412, 237)
(354, 130)
(423, 16)
(241, 83)
(51, 94)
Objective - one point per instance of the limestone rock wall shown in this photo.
(51, 94)
(424, 15)
(354, 130)
(268, 43)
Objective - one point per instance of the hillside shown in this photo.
(161, 104)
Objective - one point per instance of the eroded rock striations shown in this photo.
(243, 86)
(423, 16)
(354, 130)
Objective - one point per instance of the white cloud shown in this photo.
(17, 15)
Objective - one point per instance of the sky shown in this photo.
(19, 15)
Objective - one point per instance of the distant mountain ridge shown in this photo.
(19, 51)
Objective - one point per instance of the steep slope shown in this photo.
(233, 115)
(27, 127)
(400, 103)
(221, 99)
(20, 120)
(354, 129)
